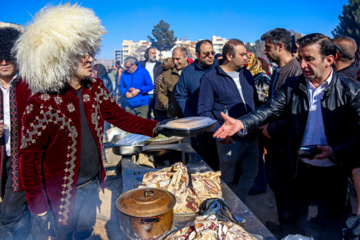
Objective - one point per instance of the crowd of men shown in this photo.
(53, 121)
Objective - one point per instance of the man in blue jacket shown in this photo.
(187, 88)
(135, 83)
(230, 88)
(187, 97)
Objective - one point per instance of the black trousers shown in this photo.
(325, 187)
(84, 217)
(205, 146)
(281, 183)
(14, 209)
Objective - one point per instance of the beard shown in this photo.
(152, 60)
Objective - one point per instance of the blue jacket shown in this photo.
(219, 93)
(141, 80)
(187, 88)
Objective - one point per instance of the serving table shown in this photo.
(132, 174)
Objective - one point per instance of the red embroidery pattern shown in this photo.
(14, 137)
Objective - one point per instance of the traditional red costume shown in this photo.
(52, 121)
(19, 93)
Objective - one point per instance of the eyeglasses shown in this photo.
(88, 55)
(208, 53)
(128, 66)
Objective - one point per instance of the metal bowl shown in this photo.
(127, 150)
(124, 150)
(155, 152)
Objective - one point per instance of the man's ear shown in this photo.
(197, 55)
(229, 57)
(280, 46)
(329, 60)
(337, 56)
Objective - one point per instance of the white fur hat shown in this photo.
(47, 52)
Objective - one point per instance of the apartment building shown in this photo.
(137, 49)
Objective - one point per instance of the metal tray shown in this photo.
(206, 125)
(188, 132)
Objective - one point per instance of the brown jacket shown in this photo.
(291, 69)
(166, 94)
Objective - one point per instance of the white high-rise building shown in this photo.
(137, 49)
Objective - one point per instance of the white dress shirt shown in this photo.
(315, 131)
(6, 112)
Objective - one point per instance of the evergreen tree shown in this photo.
(349, 21)
(163, 39)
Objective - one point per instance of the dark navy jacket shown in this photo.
(219, 93)
(187, 88)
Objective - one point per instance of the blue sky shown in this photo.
(247, 21)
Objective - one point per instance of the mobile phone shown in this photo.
(308, 151)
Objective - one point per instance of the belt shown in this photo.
(82, 185)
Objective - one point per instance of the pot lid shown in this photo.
(145, 202)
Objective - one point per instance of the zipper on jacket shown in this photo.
(308, 107)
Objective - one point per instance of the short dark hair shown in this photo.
(278, 35)
(229, 47)
(183, 50)
(346, 47)
(101, 70)
(199, 43)
(326, 46)
(8, 36)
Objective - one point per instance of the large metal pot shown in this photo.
(146, 213)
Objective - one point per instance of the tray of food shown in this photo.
(188, 127)
(162, 139)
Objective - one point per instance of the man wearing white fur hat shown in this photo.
(61, 163)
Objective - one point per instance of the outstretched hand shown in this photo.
(229, 128)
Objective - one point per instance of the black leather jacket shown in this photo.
(340, 110)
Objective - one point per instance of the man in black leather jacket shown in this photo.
(321, 109)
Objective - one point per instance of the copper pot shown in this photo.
(146, 213)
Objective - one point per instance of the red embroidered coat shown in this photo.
(50, 150)
(19, 93)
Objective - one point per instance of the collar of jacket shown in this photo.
(220, 71)
(175, 71)
(204, 69)
(288, 65)
(86, 83)
(350, 70)
(327, 91)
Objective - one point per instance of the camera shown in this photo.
(309, 151)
